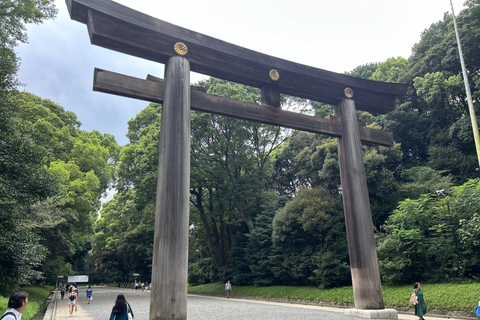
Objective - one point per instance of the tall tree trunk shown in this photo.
(212, 242)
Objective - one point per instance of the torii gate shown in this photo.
(122, 29)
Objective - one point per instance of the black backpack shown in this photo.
(72, 296)
(7, 313)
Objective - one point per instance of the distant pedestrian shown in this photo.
(121, 309)
(76, 298)
(72, 300)
(228, 288)
(16, 305)
(62, 291)
(89, 294)
(421, 306)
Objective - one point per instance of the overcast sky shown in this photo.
(58, 61)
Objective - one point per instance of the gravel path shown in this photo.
(200, 308)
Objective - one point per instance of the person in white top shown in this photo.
(16, 305)
(228, 288)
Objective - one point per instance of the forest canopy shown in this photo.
(265, 206)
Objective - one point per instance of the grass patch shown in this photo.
(36, 302)
(441, 297)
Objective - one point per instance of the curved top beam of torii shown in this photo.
(122, 29)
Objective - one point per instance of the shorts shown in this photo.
(228, 290)
(71, 302)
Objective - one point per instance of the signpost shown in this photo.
(77, 279)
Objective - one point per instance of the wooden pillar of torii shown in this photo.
(119, 28)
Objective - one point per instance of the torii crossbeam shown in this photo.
(122, 29)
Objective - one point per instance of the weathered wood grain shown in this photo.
(170, 250)
(271, 96)
(122, 29)
(367, 289)
(153, 90)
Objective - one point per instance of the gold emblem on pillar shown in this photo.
(274, 75)
(180, 48)
(348, 93)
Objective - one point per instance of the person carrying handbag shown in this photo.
(121, 310)
(72, 301)
(420, 303)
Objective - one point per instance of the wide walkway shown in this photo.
(199, 308)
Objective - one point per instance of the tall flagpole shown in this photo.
(476, 135)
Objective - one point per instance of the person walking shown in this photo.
(72, 300)
(121, 309)
(76, 298)
(421, 305)
(17, 303)
(62, 291)
(89, 294)
(228, 288)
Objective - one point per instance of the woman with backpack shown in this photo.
(121, 310)
(72, 300)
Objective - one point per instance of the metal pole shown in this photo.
(476, 135)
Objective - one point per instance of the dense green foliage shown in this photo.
(53, 175)
(433, 238)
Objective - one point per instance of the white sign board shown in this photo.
(73, 279)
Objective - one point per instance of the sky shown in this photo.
(58, 61)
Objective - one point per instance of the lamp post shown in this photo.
(471, 110)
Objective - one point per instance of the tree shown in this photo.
(436, 108)
(391, 70)
(422, 180)
(311, 161)
(46, 195)
(24, 182)
(310, 242)
(260, 246)
(428, 239)
(403, 251)
(123, 239)
(364, 71)
(231, 166)
(13, 17)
